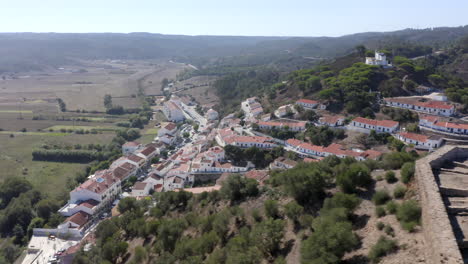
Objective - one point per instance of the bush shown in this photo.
(380, 211)
(271, 208)
(409, 215)
(383, 247)
(389, 230)
(380, 197)
(237, 188)
(391, 207)
(293, 210)
(407, 172)
(380, 225)
(399, 192)
(390, 177)
(357, 175)
(256, 215)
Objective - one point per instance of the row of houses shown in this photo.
(307, 149)
(280, 125)
(421, 141)
(433, 122)
(251, 107)
(431, 107)
(379, 126)
(98, 192)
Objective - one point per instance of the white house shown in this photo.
(307, 103)
(429, 107)
(283, 163)
(251, 141)
(173, 112)
(380, 126)
(141, 189)
(211, 114)
(290, 126)
(285, 110)
(168, 129)
(421, 141)
(173, 183)
(130, 147)
(447, 127)
(251, 107)
(78, 221)
(147, 153)
(331, 121)
(380, 59)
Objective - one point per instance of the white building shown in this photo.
(421, 141)
(285, 110)
(168, 129)
(380, 126)
(283, 163)
(251, 141)
(380, 59)
(173, 112)
(130, 147)
(307, 103)
(331, 121)
(141, 189)
(290, 126)
(447, 127)
(429, 107)
(251, 107)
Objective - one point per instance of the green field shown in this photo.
(53, 134)
(49, 177)
(17, 111)
(85, 128)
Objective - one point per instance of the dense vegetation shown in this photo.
(247, 223)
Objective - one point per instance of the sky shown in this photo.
(230, 17)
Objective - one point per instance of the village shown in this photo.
(191, 153)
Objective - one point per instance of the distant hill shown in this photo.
(33, 51)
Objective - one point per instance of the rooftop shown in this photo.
(373, 122)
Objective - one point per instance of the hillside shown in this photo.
(34, 51)
(314, 213)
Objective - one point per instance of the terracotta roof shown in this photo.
(418, 102)
(331, 119)
(147, 151)
(429, 118)
(307, 101)
(307, 160)
(139, 186)
(135, 158)
(171, 105)
(101, 181)
(89, 203)
(311, 147)
(170, 126)
(294, 142)
(258, 175)
(128, 166)
(121, 173)
(282, 124)
(452, 125)
(372, 154)
(373, 122)
(286, 161)
(414, 136)
(80, 218)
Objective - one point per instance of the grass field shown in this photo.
(50, 177)
(50, 134)
(85, 128)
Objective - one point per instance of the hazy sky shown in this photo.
(230, 17)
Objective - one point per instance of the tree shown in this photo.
(108, 101)
(12, 187)
(237, 188)
(271, 208)
(332, 237)
(361, 50)
(45, 207)
(409, 214)
(407, 172)
(62, 106)
(293, 210)
(357, 175)
(268, 235)
(127, 204)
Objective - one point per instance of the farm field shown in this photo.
(85, 128)
(16, 159)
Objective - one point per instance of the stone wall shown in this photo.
(441, 245)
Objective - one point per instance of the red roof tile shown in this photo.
(307, 101)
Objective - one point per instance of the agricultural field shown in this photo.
(152, 82)
(16, 159)
(200, 88)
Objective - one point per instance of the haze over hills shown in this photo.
(33, 51)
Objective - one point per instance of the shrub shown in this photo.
(271, 208)
(383, 247)
(380, 197)
(390, 177)
(391, 207)
(379, 178)
(399, 192)
(380, 211)
(256, 215)
(357, 175)
(389, 230)
(407, 172)
(380, 225)
(293, 210)
(409, 214)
